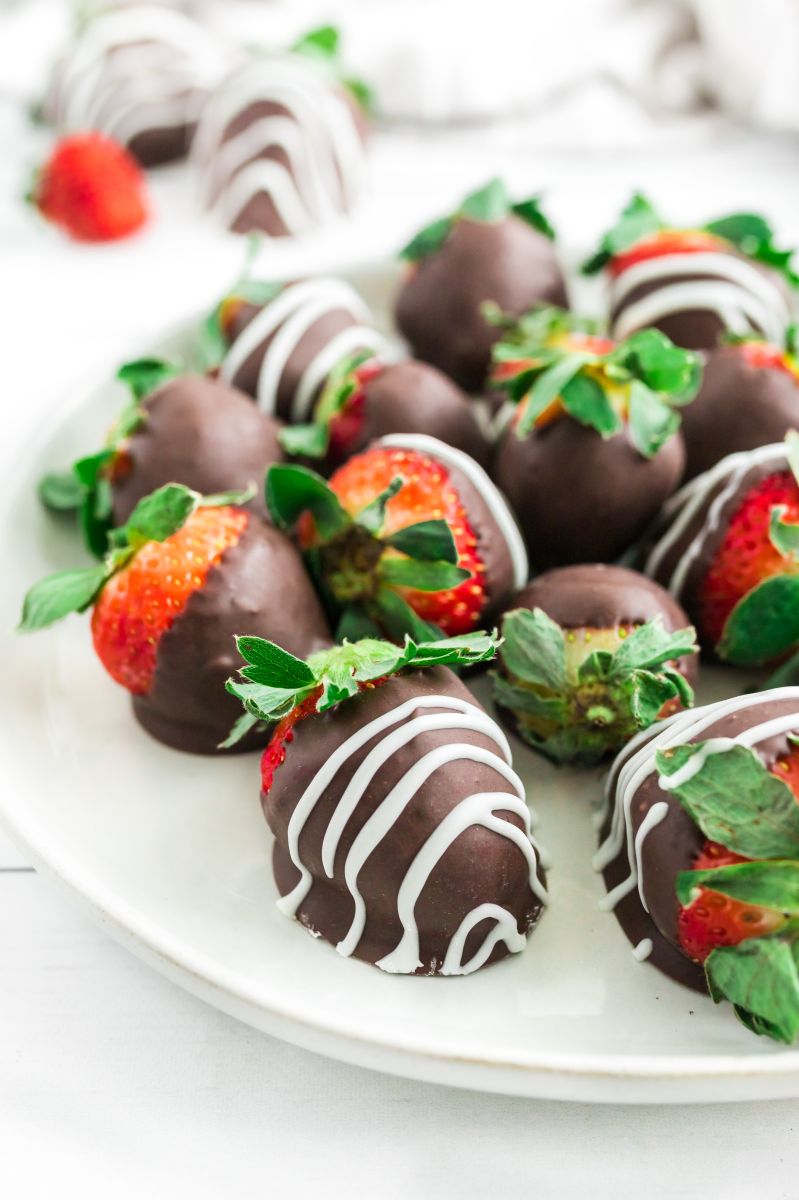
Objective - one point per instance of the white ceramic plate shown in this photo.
(171, 854)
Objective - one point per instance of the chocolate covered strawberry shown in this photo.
(185, 428)
(180, 578)
(695, 284)
(365, 399)
(700, 853)
(402, 836)
(728, 548)
(590, 656)
(491, 249)
(409, 537)
(749, 397)
(590, 448)
(279, 342)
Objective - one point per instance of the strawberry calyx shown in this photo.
(86, 487)
(375, 576)
(154, 519)
(339, 414)
(323, 46)
(552, 364)
(278, 686)
(218, 329)
(739, 906)
(578, 694)
(641, 233)
(489, 204)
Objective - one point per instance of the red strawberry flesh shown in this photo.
(666, 241)
(92, 188)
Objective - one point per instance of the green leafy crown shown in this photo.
(490, 203)
(155, 518)
(276, 682)
(359, 570)
(86, 487)
(323, 46)
(764, 625)
(736, 801)
(750, 233)
(312, 440)
(579, 713)
(542, 359)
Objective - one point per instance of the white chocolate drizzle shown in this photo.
(478, 809)
(309, 157)
(286, 319)
(744, 299)
(642, 951)
(685, 505)
(495, 502)
(637, 762)
(134, 70)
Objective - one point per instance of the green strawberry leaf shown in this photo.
(427, 240)
(534, 648)
(652, 422)
(648, 692)
(54, 597)
(305, 441)
(651, 357)
(241, 728)
(773, 885)
(530, 212)
(489, 203)
(759, 977)
(157, 516)
(428, 540)
(293, 490)
(270, 664)
(753, 236)
(398, 619)
(422, 576)
(784, 535)
(523, 701)
(356, 624)
(764, 623)
(322, 42)
(548, 387)
(61, 491)
(373, 517)
(638, 220)
(651, 645)
(733, 798)
(145, 375)
(588, 402)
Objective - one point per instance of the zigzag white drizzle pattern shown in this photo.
(292, 313)
(637, 762)
(141, 68)
(317, 134)
(743, 298)
(494, 500)
(685, 505)
(478, 809)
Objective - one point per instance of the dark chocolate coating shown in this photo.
(491, 545)
(413, 397)
(579, 497)
(673, 845)
(438, 307)
(316, 337)
(696, 329)
(202, 433)
(739, 407)
(600, 596)
(258, 588)
(710, 537)
(479, 867)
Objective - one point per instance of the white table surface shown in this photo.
(112, 1080)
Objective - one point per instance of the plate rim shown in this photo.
(637, 1078)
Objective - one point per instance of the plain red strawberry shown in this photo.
(141, 601)
(746, 556)
(427, 494)
(666, 241)
(346, 425)
(712, 919)
(92, 188)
